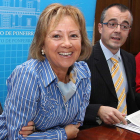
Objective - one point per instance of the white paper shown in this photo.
(130, 127)
(133, 122)
(134, 118)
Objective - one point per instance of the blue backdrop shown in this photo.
(18, 19)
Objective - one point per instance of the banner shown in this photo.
(18, 19)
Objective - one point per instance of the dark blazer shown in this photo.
(102, 87)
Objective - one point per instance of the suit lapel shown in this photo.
(126, 63)
(128, 69)
(103, 69)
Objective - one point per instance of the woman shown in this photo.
(51, 89)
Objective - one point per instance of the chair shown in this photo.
(1, 110)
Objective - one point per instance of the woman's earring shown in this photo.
(42, 52)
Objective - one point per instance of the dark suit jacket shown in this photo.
(102, 87)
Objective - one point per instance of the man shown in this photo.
(114, 27)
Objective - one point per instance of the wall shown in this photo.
(18, 19)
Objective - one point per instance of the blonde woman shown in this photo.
(51, 88)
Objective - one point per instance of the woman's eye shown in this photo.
(56, 36)
(75, 36)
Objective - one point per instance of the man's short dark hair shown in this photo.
(121, 7)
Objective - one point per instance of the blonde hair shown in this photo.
(42, 28)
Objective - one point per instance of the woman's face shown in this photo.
(62, 44)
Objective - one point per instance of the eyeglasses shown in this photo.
(113, 25)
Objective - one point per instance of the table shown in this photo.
(107, 133)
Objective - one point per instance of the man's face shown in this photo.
(113, 39)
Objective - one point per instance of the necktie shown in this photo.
(117, 77)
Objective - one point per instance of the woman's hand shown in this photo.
(72, 130)
(27, 130)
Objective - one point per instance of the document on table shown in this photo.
(133, 122)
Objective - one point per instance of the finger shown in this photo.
(123, 114)
(25, 132)
(121, 117)
(31, 123)
(108, 121)
(24, 135)
(28, 128)
(76, 131)
(77, 125)
(115, 119)
(75, 136)
(124, 121)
